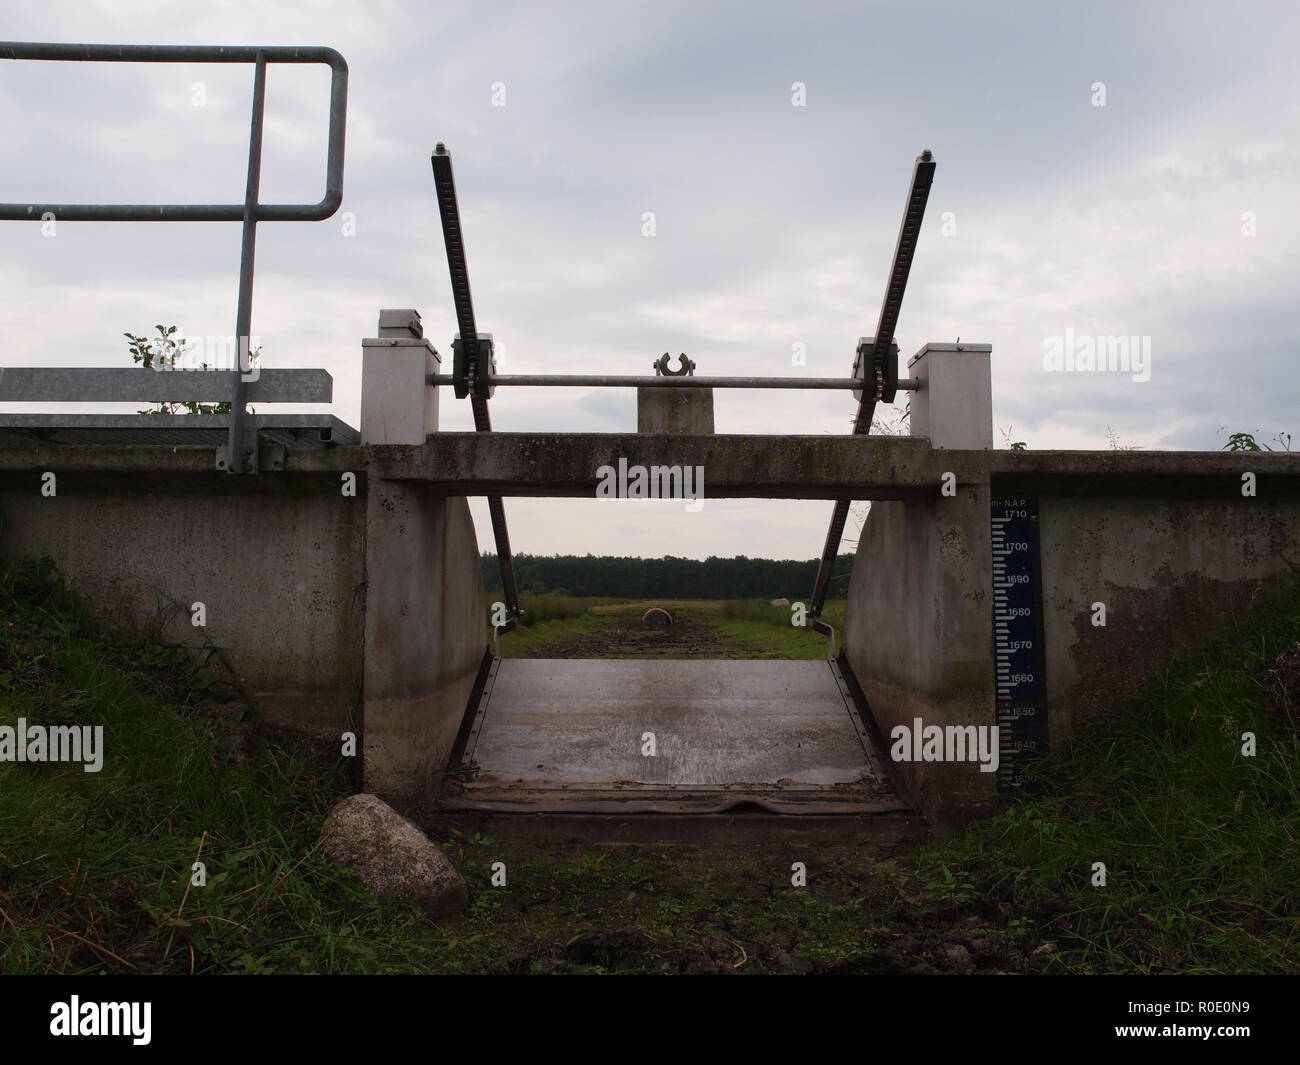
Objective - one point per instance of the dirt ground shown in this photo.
(647, 910)
(622, 635)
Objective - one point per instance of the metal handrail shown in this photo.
(241, 451)
(160, 53)
(102, 384)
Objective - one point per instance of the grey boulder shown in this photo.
(390, 854)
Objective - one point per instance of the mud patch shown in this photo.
(622, 635)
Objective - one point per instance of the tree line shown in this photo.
(625, 577)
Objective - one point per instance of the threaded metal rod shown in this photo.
(575, 380)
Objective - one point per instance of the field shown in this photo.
(1200, 843)
(567, 627)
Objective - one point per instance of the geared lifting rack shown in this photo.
(874, 380)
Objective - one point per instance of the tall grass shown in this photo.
(95, 868)
(539, 609)
(762, 611)
(1199, 843)
(1198, 839)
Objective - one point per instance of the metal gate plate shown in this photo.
(569, 733)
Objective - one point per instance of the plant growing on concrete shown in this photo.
(1014, 445)
(1247, 442)
(1115, 445)
(161, 353)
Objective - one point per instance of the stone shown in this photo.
(392, 856)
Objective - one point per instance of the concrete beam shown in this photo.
(767, 467)
(873, 467)
(1145, 474)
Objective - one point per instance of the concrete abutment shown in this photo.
(918, 627)
(365, 611)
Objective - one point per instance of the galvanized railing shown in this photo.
(241, 453)
(102, 384)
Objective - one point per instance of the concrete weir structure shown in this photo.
(342, 583)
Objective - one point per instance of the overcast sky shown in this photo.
(774, 223)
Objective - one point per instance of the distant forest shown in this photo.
(668, 577)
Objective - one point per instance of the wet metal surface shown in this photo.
(779, 734)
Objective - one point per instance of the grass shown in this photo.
(548, 619)
(544, 609)
(95, 867)
(1199, 842)
(757, 623)
(568, 626)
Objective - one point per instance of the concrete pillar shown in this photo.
(425, 631)
(918, 631)
(954, 405)
(425, 635)
(918, 634)
(398, 405)
(686, 411)
(674, 410)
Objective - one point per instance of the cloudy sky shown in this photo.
(1168, 212)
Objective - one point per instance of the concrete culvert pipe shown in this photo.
(656, 618)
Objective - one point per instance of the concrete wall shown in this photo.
(918, 634)
(426, 632)
(321, 602)
(277, 561)
(1165, 540)
(1171, 573)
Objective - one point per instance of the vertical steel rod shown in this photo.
(241, 451)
